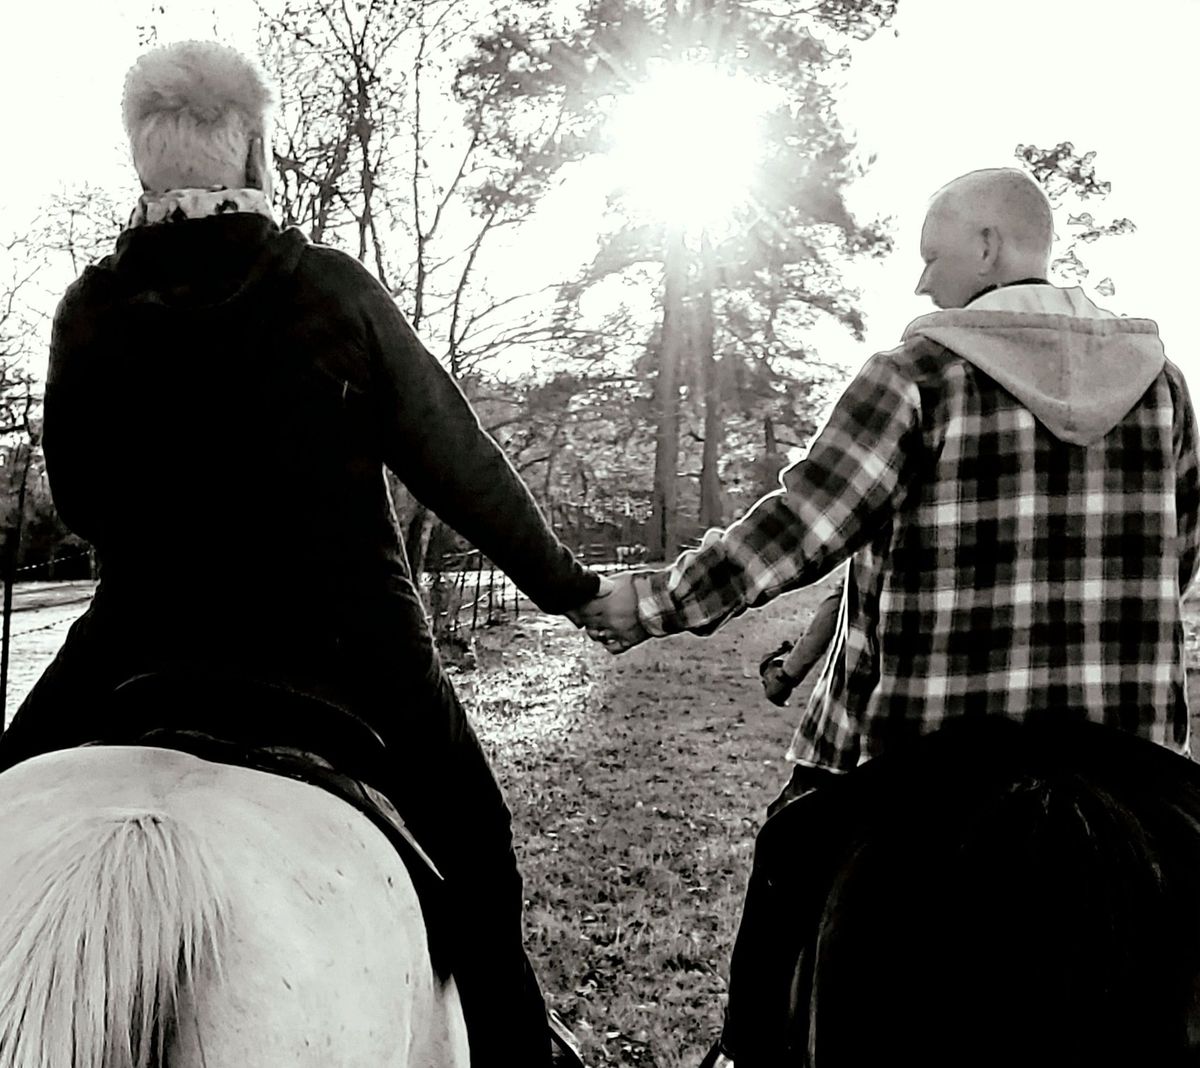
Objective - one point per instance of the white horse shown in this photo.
(159, 909)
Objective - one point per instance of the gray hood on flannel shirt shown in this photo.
(1078, 368)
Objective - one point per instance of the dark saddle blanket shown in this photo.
(863, 889)
(276, 730)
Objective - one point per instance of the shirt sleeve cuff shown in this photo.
(654, 606)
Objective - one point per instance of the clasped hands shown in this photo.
(611, 616)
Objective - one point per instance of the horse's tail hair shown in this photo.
(102, 937)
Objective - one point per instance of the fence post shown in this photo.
(475, 603)
(11, 553)
(462, 587)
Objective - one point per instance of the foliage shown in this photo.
(44, 539)
(415, 151)
(340, 79)
(20, 332)
(414, 154)
(779, 261)
(421, 136)
(79, 226)
(1069, 179)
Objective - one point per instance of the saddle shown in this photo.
(266, 727)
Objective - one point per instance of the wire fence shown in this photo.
(464, 591)
(57, 565)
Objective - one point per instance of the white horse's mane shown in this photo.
(138, 901)
(156, 905)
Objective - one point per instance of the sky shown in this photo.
(956, 86)
(967, 81)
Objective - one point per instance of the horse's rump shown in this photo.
(157, 908)
(998, 895)
(98, 889)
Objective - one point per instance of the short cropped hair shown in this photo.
(191, 110)
(1007, 193)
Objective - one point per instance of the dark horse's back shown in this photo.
(997, 894)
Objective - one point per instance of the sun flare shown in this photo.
(685, 143)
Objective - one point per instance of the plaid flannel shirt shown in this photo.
(995, 568)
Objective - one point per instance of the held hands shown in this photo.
(611, 616)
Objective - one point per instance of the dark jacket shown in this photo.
(221, 401)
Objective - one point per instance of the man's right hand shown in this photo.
(611, 616)
(777, 684)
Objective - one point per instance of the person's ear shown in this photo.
(258, 174)
(989, 249)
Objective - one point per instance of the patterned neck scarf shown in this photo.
(175, 205)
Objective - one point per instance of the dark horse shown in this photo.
(995, 894)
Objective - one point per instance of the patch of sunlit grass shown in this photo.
(637, 784)
(529, 687)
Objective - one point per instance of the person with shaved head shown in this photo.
(1017, 492)
(986, 229)
(222, 399)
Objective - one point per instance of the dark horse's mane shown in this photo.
(997, 894)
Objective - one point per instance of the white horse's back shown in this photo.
(264, 921)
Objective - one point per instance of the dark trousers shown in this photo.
(803, 781)
(440, 782)
(753, 972)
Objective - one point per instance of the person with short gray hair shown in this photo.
(222, 399)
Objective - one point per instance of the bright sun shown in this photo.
(686, 142)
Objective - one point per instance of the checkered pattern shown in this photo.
(995, 569)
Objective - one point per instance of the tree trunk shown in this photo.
(663, 539)
(12, 555)
(416, 540)
(710, 476)
(772, 462)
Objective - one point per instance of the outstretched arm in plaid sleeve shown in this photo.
(832, 502)
(1187, 484)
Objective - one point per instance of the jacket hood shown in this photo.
(202, 263)
(1078, 368)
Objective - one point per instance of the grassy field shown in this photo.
(637, 785)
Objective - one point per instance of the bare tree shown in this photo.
(1069, 179)
(20, 328)
(403, 137)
